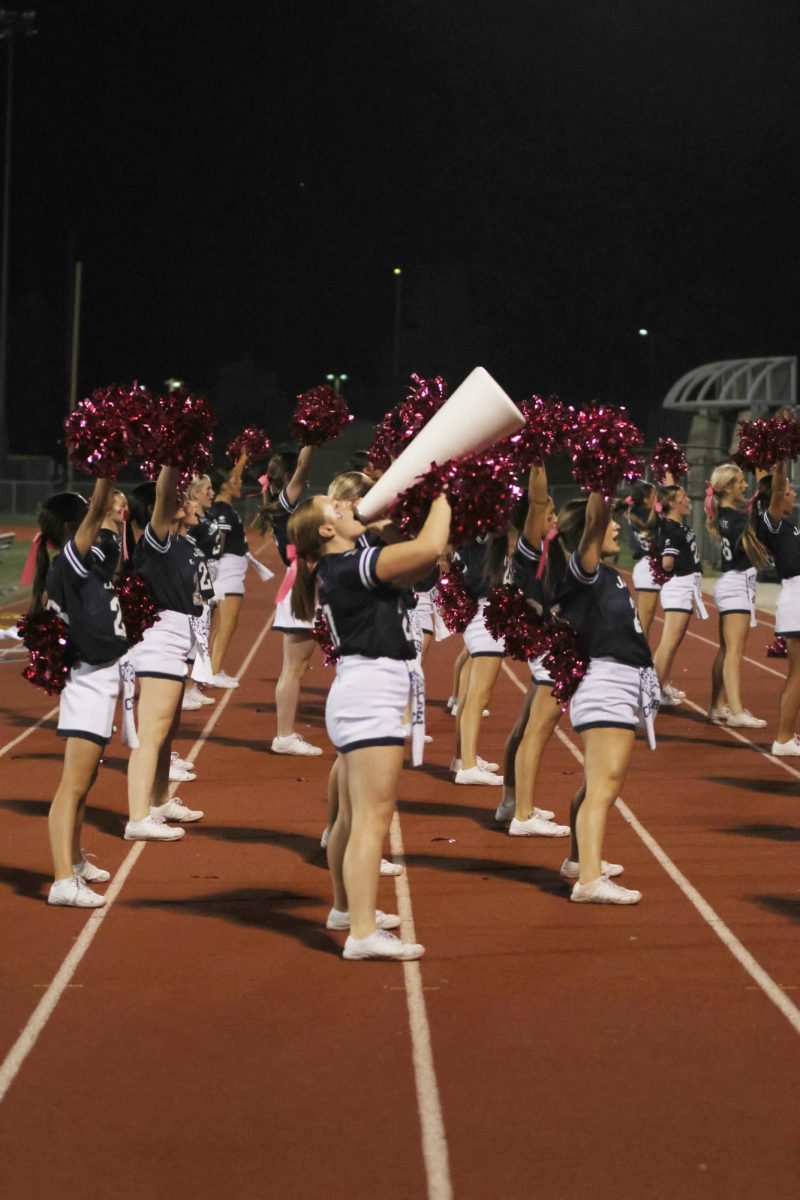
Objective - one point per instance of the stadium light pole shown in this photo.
(13, 22)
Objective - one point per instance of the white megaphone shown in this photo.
(477, 414)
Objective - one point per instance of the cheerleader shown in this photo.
(207, 536)
(619, 691)
(179, 579)
(77, 587)
(540, 711)
(231, 569)
(484, 563)
(771, 518)
(644, 519)
(286, 480)
(359, 590)
(734, 592)
(683, 590)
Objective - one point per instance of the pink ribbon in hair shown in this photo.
(629, 500)
(264, 481)
(707, 504)
(551, 533)
(29, 569)
(658, 506)
(290, 576)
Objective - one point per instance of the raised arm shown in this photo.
(778, 493)
(416, 558)
(90, 525)
(295, 486)
(538, 500)
(598, 515)
(166, 502)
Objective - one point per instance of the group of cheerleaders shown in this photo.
(377, 592)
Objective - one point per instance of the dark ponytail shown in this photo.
(59, 519)
(754, 548)
(571, 524)
(303, 534)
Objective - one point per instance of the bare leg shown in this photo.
(607, 753)
(545, 714)
(717, 693)
(158, 701)
(482, 677)
(160, 793)
(81, 760)
(790, 695)
(675, 626)
(229, 609)
(574, 809)
(458, 667)
(736, 627)
(372, 775)
(340, 828)
(646, 605)
(461, 695)
(297, 651)
(333, 791)
(513, 740)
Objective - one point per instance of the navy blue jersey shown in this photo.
(176, 571)
(80, 595)
(602, 610)
(429, 582)
(732, 523)
(208, 536)
(524, 565)
(678, 543)
(280, 522)
(644, 541)
(365, 615)
(107, 552)
(782, 539)
(472, 557)
(230, 523)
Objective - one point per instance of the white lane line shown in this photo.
(434, 1138)
(46, 1006)
(16, 741)
(740, 737)
(729, 939)
(715, 645)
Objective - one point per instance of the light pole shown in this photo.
(13, 21)
(398, 313)
(337, 381)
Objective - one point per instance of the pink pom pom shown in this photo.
(509, 616)
(320, 416)
(184, 437)
(777, 649)
(252, 442)
(409, 511)
(322, 635)
(668, 458)
(564, 659)
(603, 445)
(47, 639)
(786, 438)
(654, 559)
(404, 422)
(764, 443)
(456, 606)
(483, 493)
(548, 424)
(97, 439)
(138, 605)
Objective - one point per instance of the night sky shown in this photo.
(240, 178)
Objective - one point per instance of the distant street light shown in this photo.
(337, 381)
(13, 21)
(644, 333)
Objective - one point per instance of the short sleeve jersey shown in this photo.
(679, 543)
(230, 523)
(782, 539)
(107, 552)
(280, 524)
(732, 523)
(472, 556)
(645, 541)
(78, 593)
(207, 535)
(602, 610)
(176, 571)
(366, 616)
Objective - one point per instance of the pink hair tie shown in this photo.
(708, 504)
(29, 569)
(551, 533)
(629, 500)
(264, 481)
(658, 506)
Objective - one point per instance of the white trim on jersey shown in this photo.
(366, 567)
(579, 573)
(73, 560)
(528, 551)
(154, 543)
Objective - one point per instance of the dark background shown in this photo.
(239, 180)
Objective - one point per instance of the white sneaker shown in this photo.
(173, 810)
(536, 827)
(73, 893)
(508, 807)
(478, 775)
(341, 920)
(674, 694)
(455, 765)
(745, 720)
(197, 698)
(88, 872)
(152, 829)
(603, 891)
(294, 743)
(452, 706)
(179, 775)
(185, 764)
(668, 700)
(221, 680)
(323, 841)
(719, 716)
(390, 868)
(788, 749)
(571, 870)
(202, 697)
(189, 703)
(382, 944)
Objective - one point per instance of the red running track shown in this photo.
(212, 1042)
